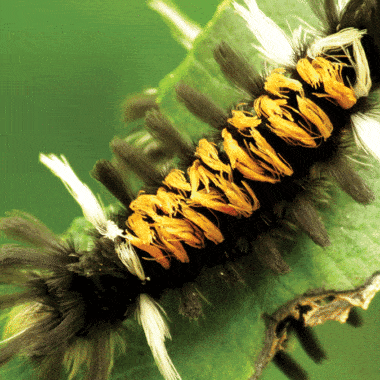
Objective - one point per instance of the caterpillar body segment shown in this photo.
(242, 191)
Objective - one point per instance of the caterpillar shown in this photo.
(237, 192)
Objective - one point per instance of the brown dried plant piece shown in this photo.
(312, 309)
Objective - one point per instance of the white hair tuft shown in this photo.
(149, 315)
(129, 258)
(276, 45)
(367, 133)
(91, 207)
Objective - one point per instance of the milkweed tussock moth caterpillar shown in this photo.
(246, 184)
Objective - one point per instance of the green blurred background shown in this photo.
(66, 66)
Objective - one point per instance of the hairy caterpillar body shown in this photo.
(235, 193)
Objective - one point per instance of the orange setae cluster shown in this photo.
(162, 223)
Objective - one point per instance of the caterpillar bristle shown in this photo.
(10, 349)
(106, 173)
(349, 181)
(147, 144)
(50, 368)
(136, 161)
(161, 128)
(201, 106)
(354, 318)
(231, 274)
(306, 217)
(190, 302)
(237, 70)
(286, 364)
(269, 254)
(309, 341)
(15, 256)
(102, 364)
(26, 228)
(327, 11)
(137, 106)
(11, 300)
